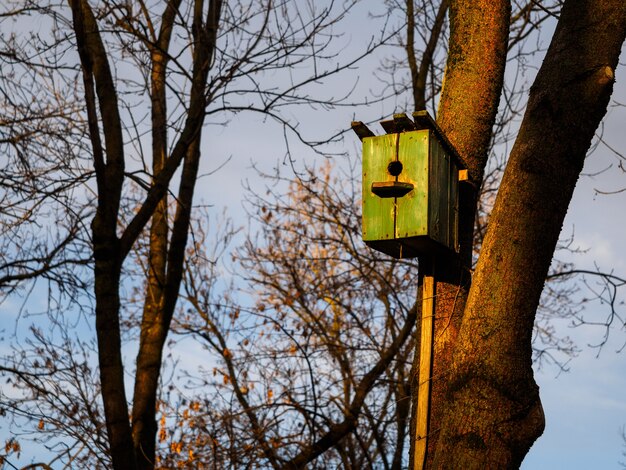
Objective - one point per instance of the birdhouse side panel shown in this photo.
(454, 207)
(438, 192)
(412, 209)
(378, 213)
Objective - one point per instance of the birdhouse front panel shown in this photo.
(378, 213)
(412, 209)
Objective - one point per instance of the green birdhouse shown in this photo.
(410, 187)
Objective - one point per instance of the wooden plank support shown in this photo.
(425, 370)
(389, 126)
(361, 130)
(403, 123)
(424, 121)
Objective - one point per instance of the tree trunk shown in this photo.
(468, 106)
(98, 81)
(167, 260)
(493, 412)
(144, 425)
(109, 353)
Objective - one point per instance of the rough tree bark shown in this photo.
(467, 111)
(490, 402)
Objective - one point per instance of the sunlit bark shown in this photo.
(467, 111)
(492, 408)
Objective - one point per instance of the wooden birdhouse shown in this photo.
(410, 187)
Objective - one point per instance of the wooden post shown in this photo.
(425, 368)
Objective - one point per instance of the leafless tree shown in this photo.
(150, 77)
(316, 367)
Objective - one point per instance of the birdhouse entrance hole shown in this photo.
(394, 168)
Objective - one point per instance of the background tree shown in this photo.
(190, 61)
(316, 369)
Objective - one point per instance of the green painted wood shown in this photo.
(434, 217)
(444, 196)
(412, 209)
(426, 217)
(439, 204)
(378, 213)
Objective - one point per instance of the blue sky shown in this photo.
(585, 407)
